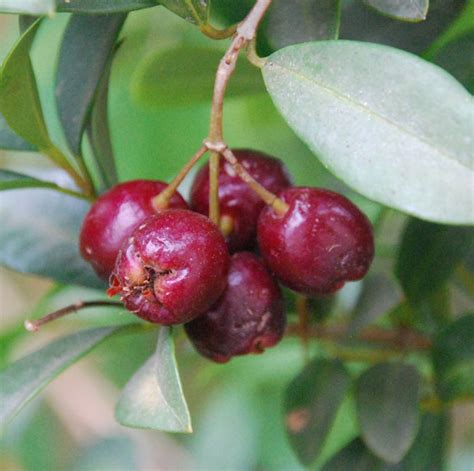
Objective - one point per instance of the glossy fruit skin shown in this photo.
(114, 216)
(237, 201)
(249, 316)
(172, 268)
(321, 242)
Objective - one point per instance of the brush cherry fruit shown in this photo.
(114, 216)
(319, 243)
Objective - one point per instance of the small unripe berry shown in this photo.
(239, 205)
(322, 241)
(248, 317)
(113, 217)
(172, 268)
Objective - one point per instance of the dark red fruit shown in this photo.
(238, 203)
(322, 241)
(172, 268)
(114, 216)
(248, 317)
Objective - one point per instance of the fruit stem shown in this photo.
(162, 200)
(215, 33)
(33, 326)
(253, 56)
(278, 205)
(400, 339)
(214, 210)
(246, 31)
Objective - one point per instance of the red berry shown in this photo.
(114, 216)
(172, 268)
(247, 318)
(237, 201)
(322, 241)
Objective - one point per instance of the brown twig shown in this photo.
(33, 326)
(400, 339)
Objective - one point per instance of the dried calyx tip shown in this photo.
(31, 326)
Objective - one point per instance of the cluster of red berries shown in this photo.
(175, 266)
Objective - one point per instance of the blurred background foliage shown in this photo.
(156, 124)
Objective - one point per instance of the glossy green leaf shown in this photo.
(86, 48)
(360, 23)
(311, 404)
(457, 58)
(408, 147)
(301, 21)
(354, 457)
(453, 359)
(31, 7)
(379, 295)
(11, 141)
(102, 6)
(25, 378)
(408, 10)
(99, 132)
(19, 99)
(154, 398)
(39, 235)
(428, 255)
(185, 75)
(387, 397)
(194, 11)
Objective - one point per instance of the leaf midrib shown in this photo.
(336, 93)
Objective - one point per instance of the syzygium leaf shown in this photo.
(392, 126)
(387, 397)
(86, 48)
(301, 21)
(154, 398)
(311, 404)
(408, 10)
(25, 378)
(48, 245)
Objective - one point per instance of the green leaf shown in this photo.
(9, 140)
(25, 378)
(12, 180)
(86, 48)
(31, 7)
(453, 359)
(185, 75)
(430, 447)
(102, 6)
(428, 255)
(311, 404)
(456, 58)
(379, 295)
(408, 10)
(410, 149)
(39, 235)
(154, 398)
(387, 397)
(99, 132)
(354, 457)
(194, 11)
(365, 24)
(19, 99)
(301, 21)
